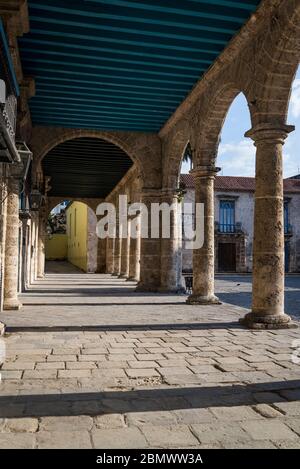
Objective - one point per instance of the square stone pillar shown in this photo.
(118, 247)
(110, 252)
(135, 249)
(101, 255)
(204, 257)
(124, 271)
(11, 274)
(150, 261)
(268, 243)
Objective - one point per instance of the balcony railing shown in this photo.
(228, 227)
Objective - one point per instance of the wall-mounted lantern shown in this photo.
(26, 158)
(35, 200)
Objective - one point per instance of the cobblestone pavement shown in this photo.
(138, 371)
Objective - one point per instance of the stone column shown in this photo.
(203, 258)
(268, 243)
(3, 217)
(135, 250)
(118, 247)
(11, 300)
(150, 261)
(110, 253)
(28, 254)
(124, 270)
(36, 244)
(20, 256)
(33, 257)
(41, 244)
(101, 256)
(32, 254)
(170, 247)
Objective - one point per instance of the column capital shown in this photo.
(169, 192)
(268, 131)
(205, 171)
(150, 192)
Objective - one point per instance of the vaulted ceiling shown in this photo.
(122, 64)
(85, 167)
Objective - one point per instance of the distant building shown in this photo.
(72, 236)
(234, 212)
(60, 207)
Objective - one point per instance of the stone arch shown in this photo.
(277, 65)
(143, 149)
(208, 127)
(174, 146)
(52, 202)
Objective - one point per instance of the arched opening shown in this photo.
(291, 174)
(84, 171)
(234, 191)
(187, 196)
(291, 161)
(187, 160)
(71, 240)
(236, 153)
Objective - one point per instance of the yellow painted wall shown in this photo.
(77, 219)
(56, 247)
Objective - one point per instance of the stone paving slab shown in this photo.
(209, 384)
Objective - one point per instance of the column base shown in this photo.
(172, 290)
(2, 329)
(115, 275)
(124, 276)
(142, 288)
(275, 321)
(203, 300)
(14, 305)
(132, 279)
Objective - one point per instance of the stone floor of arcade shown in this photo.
(144, 371)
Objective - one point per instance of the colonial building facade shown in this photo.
(234, 217)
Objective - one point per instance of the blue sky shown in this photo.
(236, 155)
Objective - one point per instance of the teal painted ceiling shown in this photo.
(122, 65)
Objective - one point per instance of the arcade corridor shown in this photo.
(99, 103)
